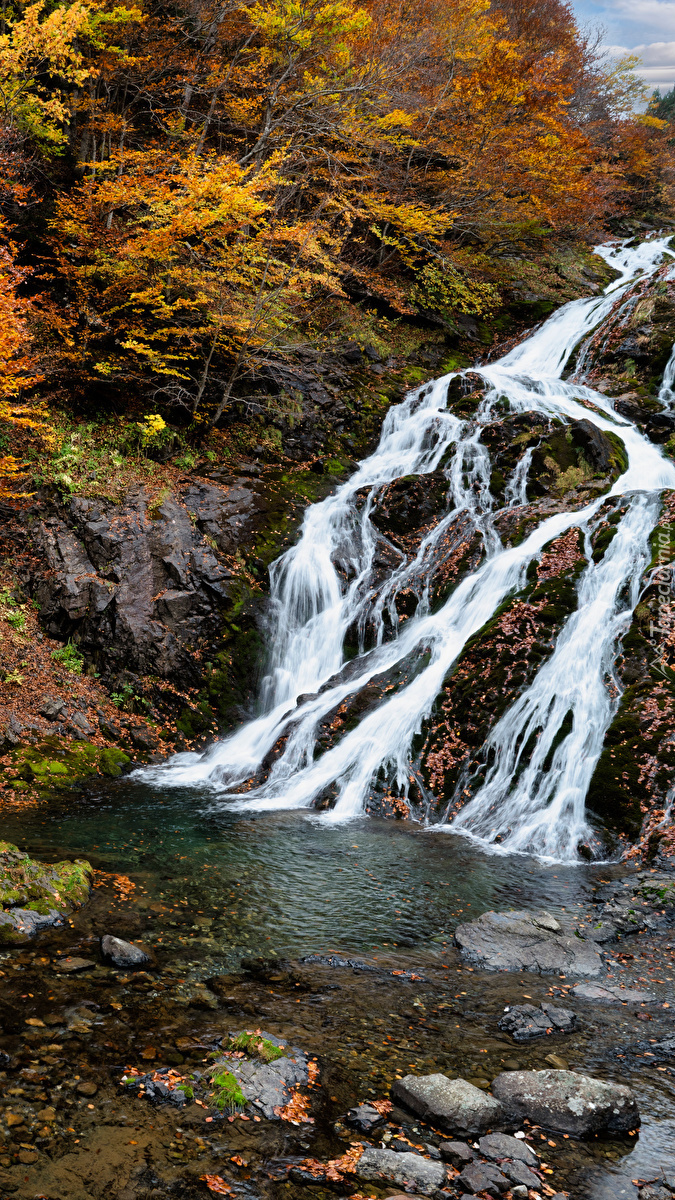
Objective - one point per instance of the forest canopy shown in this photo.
(190, 189)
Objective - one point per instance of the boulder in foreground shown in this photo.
(452, 1104)
(567, 1102)
(527, 941)
(426, 1175)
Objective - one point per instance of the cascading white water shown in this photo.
(323, 586)
(666, 392)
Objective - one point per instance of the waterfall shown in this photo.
(323, 587)
(666, 393)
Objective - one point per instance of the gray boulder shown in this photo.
(502, 1145)
(483, 1178)
(524, 1021)
(567, 1102)
(527, 941)
(424, 1174)
(452, 1104)
(121, 953)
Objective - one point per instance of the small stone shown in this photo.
(123, 954)
(13, 1119)
(502, 1145)
(364, 1117)
(27, 1157)
(36, 1022)
(47, 1114)
(453, 1104)
(554, 1060)
(520, 1192)
(87, 1088)
(456, 1153)
(483, 1177)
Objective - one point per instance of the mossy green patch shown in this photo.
(255, 1045)
(228, 1096)
(111, 761)
(39, 887)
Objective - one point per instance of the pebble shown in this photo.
(87, 1089)
(13, 1119)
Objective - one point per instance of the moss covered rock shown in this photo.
(35, 895)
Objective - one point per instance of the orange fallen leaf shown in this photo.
(215, 1184)
(295, 1111)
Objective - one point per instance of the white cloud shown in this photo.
(659, 13)
(657, 65)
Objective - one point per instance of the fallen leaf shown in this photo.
(215, 1184)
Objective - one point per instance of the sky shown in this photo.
(642, 27)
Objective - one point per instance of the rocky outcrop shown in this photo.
(567, 1102)
(527, 941)
(137, 586)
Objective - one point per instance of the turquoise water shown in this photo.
(284, 881)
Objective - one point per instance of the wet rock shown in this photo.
(20, 925)
(453, 1104)
(422, 1173)
(567, 1102)
(527, 941)
(607, 994)
(364, 1117)
(87, 1088)
(502, 1145)
(267, 1085)
(36, 895)
(123, 954)
(524, 1021)
(456, 1153)
(483, 1178)
(666, 1048)
(655, 1192)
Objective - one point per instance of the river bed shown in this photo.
(220, 897)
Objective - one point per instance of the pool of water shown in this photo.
(288, 883)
